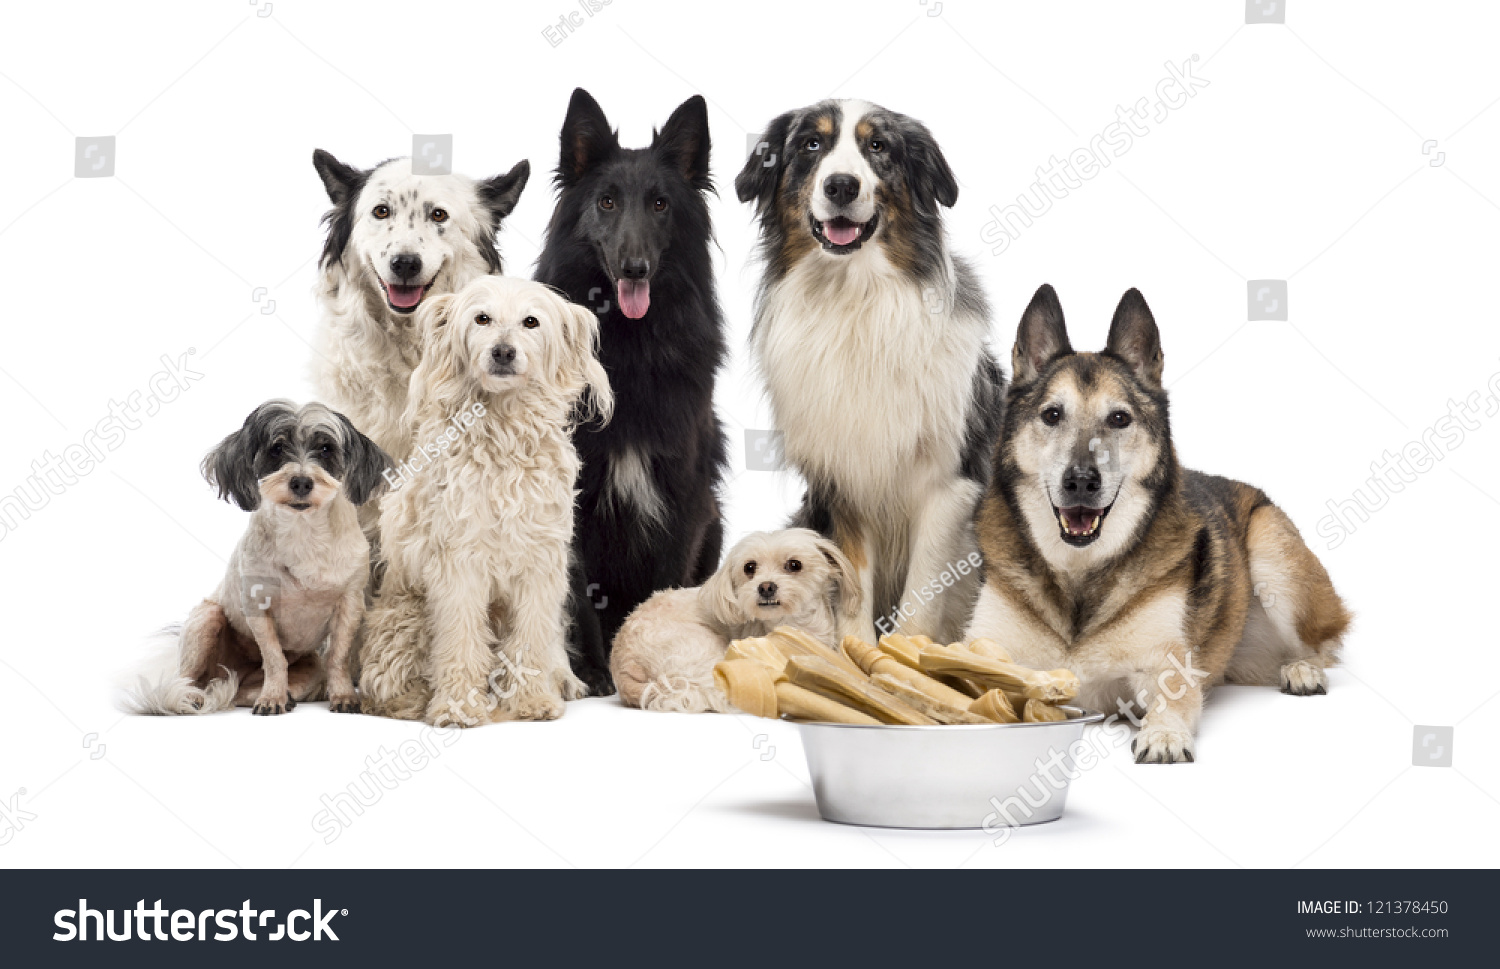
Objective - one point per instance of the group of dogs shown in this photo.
(509, 496)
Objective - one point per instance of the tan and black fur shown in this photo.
(1103, 555)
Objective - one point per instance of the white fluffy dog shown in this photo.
(663, 657)
(470, 623)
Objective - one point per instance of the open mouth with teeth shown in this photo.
(1080, 524)
(403, 299)
(841, 235)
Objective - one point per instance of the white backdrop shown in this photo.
(1352, 153)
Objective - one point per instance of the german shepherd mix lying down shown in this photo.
(1103, 555)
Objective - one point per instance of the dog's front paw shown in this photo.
(534, 706)
(574, 688)
(343, 703)
(1162, 745)
(475, 709)
(270, 705)
(1303, 679)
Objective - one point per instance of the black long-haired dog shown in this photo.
(631, 238)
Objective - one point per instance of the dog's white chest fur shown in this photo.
(856, 349)
(630, 482)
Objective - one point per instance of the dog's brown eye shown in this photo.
(661, 205)
(1051, 416)
(382, 212)
(531, 323)
(275, 451)
(483, 319)
(749, 568)
(1119, 419)
(606, 202)
(793, 565)
(877, 145)
(440, 215)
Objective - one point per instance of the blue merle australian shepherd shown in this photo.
(871, 338)
(631, 237)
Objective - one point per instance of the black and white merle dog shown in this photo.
(871, 337)
(394, 239)
(631, 237)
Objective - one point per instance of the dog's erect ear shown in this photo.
(684, 140)
(586, 138)
(757, 181)
(343, 185)
(581, 334)
(230, 467)
(365, 464)
(501, 193)
(717, 600)
(1041, 337)
(1133, 338)
(932, 181)
(850, 593)
(340, 181)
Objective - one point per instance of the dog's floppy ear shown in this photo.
(230, 467)
(501, 193)
(1041, 337)
(684, 140)
(365, 464)
(757, 181)
(927, 171)
(716, 597)
(851, 593)
(1134, 339)
(581, 334)
(586, 138)
(439, 363)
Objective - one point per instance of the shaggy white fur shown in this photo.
(663, 657)
(470, 623)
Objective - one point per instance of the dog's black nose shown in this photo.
(841, 189)
(635, 268)
(406, 265)
(766, 589)
(1081, 481)
(504, 353)
(301, 486)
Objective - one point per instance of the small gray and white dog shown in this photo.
(296, 579)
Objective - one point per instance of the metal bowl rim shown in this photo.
(1085, 718)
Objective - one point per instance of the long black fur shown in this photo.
(661, 367)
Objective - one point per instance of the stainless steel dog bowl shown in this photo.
(940, 777)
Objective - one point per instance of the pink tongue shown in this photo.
(1079, 518)
(843, 233)
(635, 297)
(405, 297)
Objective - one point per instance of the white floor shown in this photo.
(1280, 781)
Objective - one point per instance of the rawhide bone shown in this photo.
(1049, 686)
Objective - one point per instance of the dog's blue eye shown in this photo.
(1051, 416)
(812, 144)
